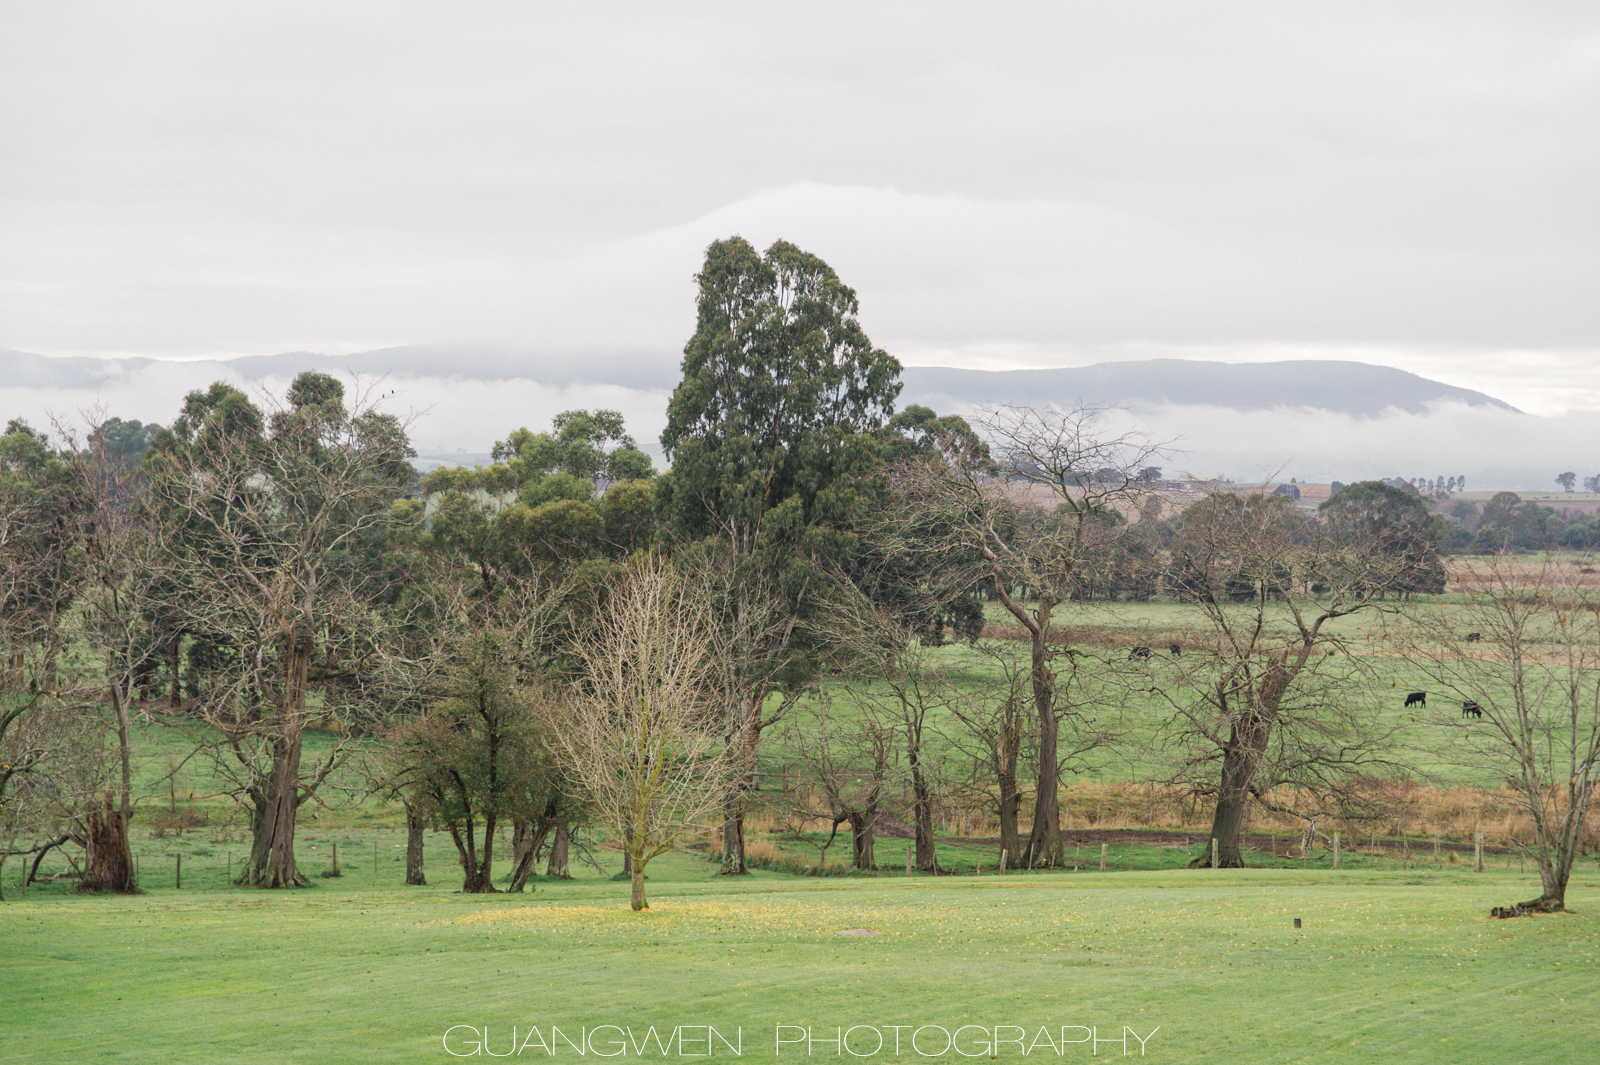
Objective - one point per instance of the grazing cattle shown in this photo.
(1470, 708)
(1176, 650)
(1474, 637)
(1416, 699)
(1139, 652)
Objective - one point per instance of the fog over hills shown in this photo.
(1353, 388)
(1313, 419)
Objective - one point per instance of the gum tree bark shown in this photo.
(267, 518)
(1264, 702)
(557, 866)
(1037, 512)
(415, 874)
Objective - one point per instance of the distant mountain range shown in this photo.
(1352, 388)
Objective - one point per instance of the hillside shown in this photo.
(1354, 388)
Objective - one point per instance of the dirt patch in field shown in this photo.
(1097, 637)
(1282, 846)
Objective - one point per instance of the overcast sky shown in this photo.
(1003, 184)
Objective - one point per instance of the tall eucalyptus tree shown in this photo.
(772, 438)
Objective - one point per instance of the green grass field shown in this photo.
(1397, 959)
(1396, 965)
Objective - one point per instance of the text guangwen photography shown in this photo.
(892, 532)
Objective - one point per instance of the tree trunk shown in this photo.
(107, 863)
(177, 692)
(1555, 868)
(276, 800)
(477, 870)
(639, 902)
(274, 804)
(1044, 841)
(414, 870)
(1247, 742)
(922, 811)
(862, 840)
(733, 834)
(558, 854)
(744, 745)
(1010, 807)
(527, 839)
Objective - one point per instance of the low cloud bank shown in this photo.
(1493, 448)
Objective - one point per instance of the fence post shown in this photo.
(1002, 863)
(1213, 852)
(1102, 857)
(1477, 852)
(335, 859)
(908, 861)
(1436, 848)
(1336, 850)
(177, 879)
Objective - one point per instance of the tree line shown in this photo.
(569, 639)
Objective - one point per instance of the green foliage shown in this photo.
(44, 503)
(477, 757)
(588, 445)
(1508, 523)
(773, 429)
(918, 431)
(564, 530)
(1210, 560)
(556, 486)
(1393, 523)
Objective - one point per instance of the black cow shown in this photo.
(1176, 650)
(1139, 652)
(1474, 637)
(1471, 709)
(1417, 699)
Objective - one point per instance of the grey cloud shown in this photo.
(247, 179)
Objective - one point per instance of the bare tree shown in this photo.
(1528, 697)
(124, 563)
(895, 682)
(1048, 507)
(41, 512)
(1267, 700)
(849, 760)
(750, 636)
(638, 727)
(269, 522)
(994, 733)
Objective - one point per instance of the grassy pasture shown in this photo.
(1390, 965)
(192, 799)
(1397, 960)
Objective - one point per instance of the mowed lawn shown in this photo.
(1388, 966)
